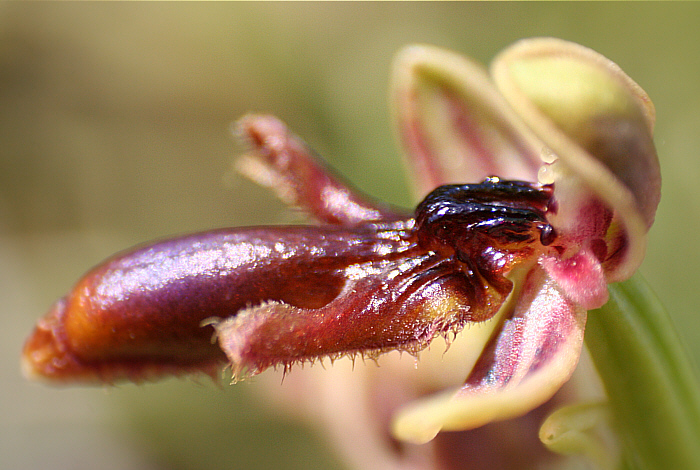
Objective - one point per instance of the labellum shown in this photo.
(277, 296)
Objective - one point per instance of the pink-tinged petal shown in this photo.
(281, 161)
(534, 354)
(598, 125)
(453, 124)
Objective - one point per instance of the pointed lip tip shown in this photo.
(30, 371)
(42, 366)
(33, 371)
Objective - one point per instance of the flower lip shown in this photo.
(45, 354)
(49, 356)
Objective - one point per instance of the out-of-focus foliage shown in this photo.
(114, 129)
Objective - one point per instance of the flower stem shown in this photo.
(652, 388)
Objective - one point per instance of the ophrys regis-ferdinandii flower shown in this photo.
(563, 183)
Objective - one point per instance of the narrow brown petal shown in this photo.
(282, 162)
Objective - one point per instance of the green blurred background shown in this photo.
(115, 130)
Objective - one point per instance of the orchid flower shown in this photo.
(538, 184)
